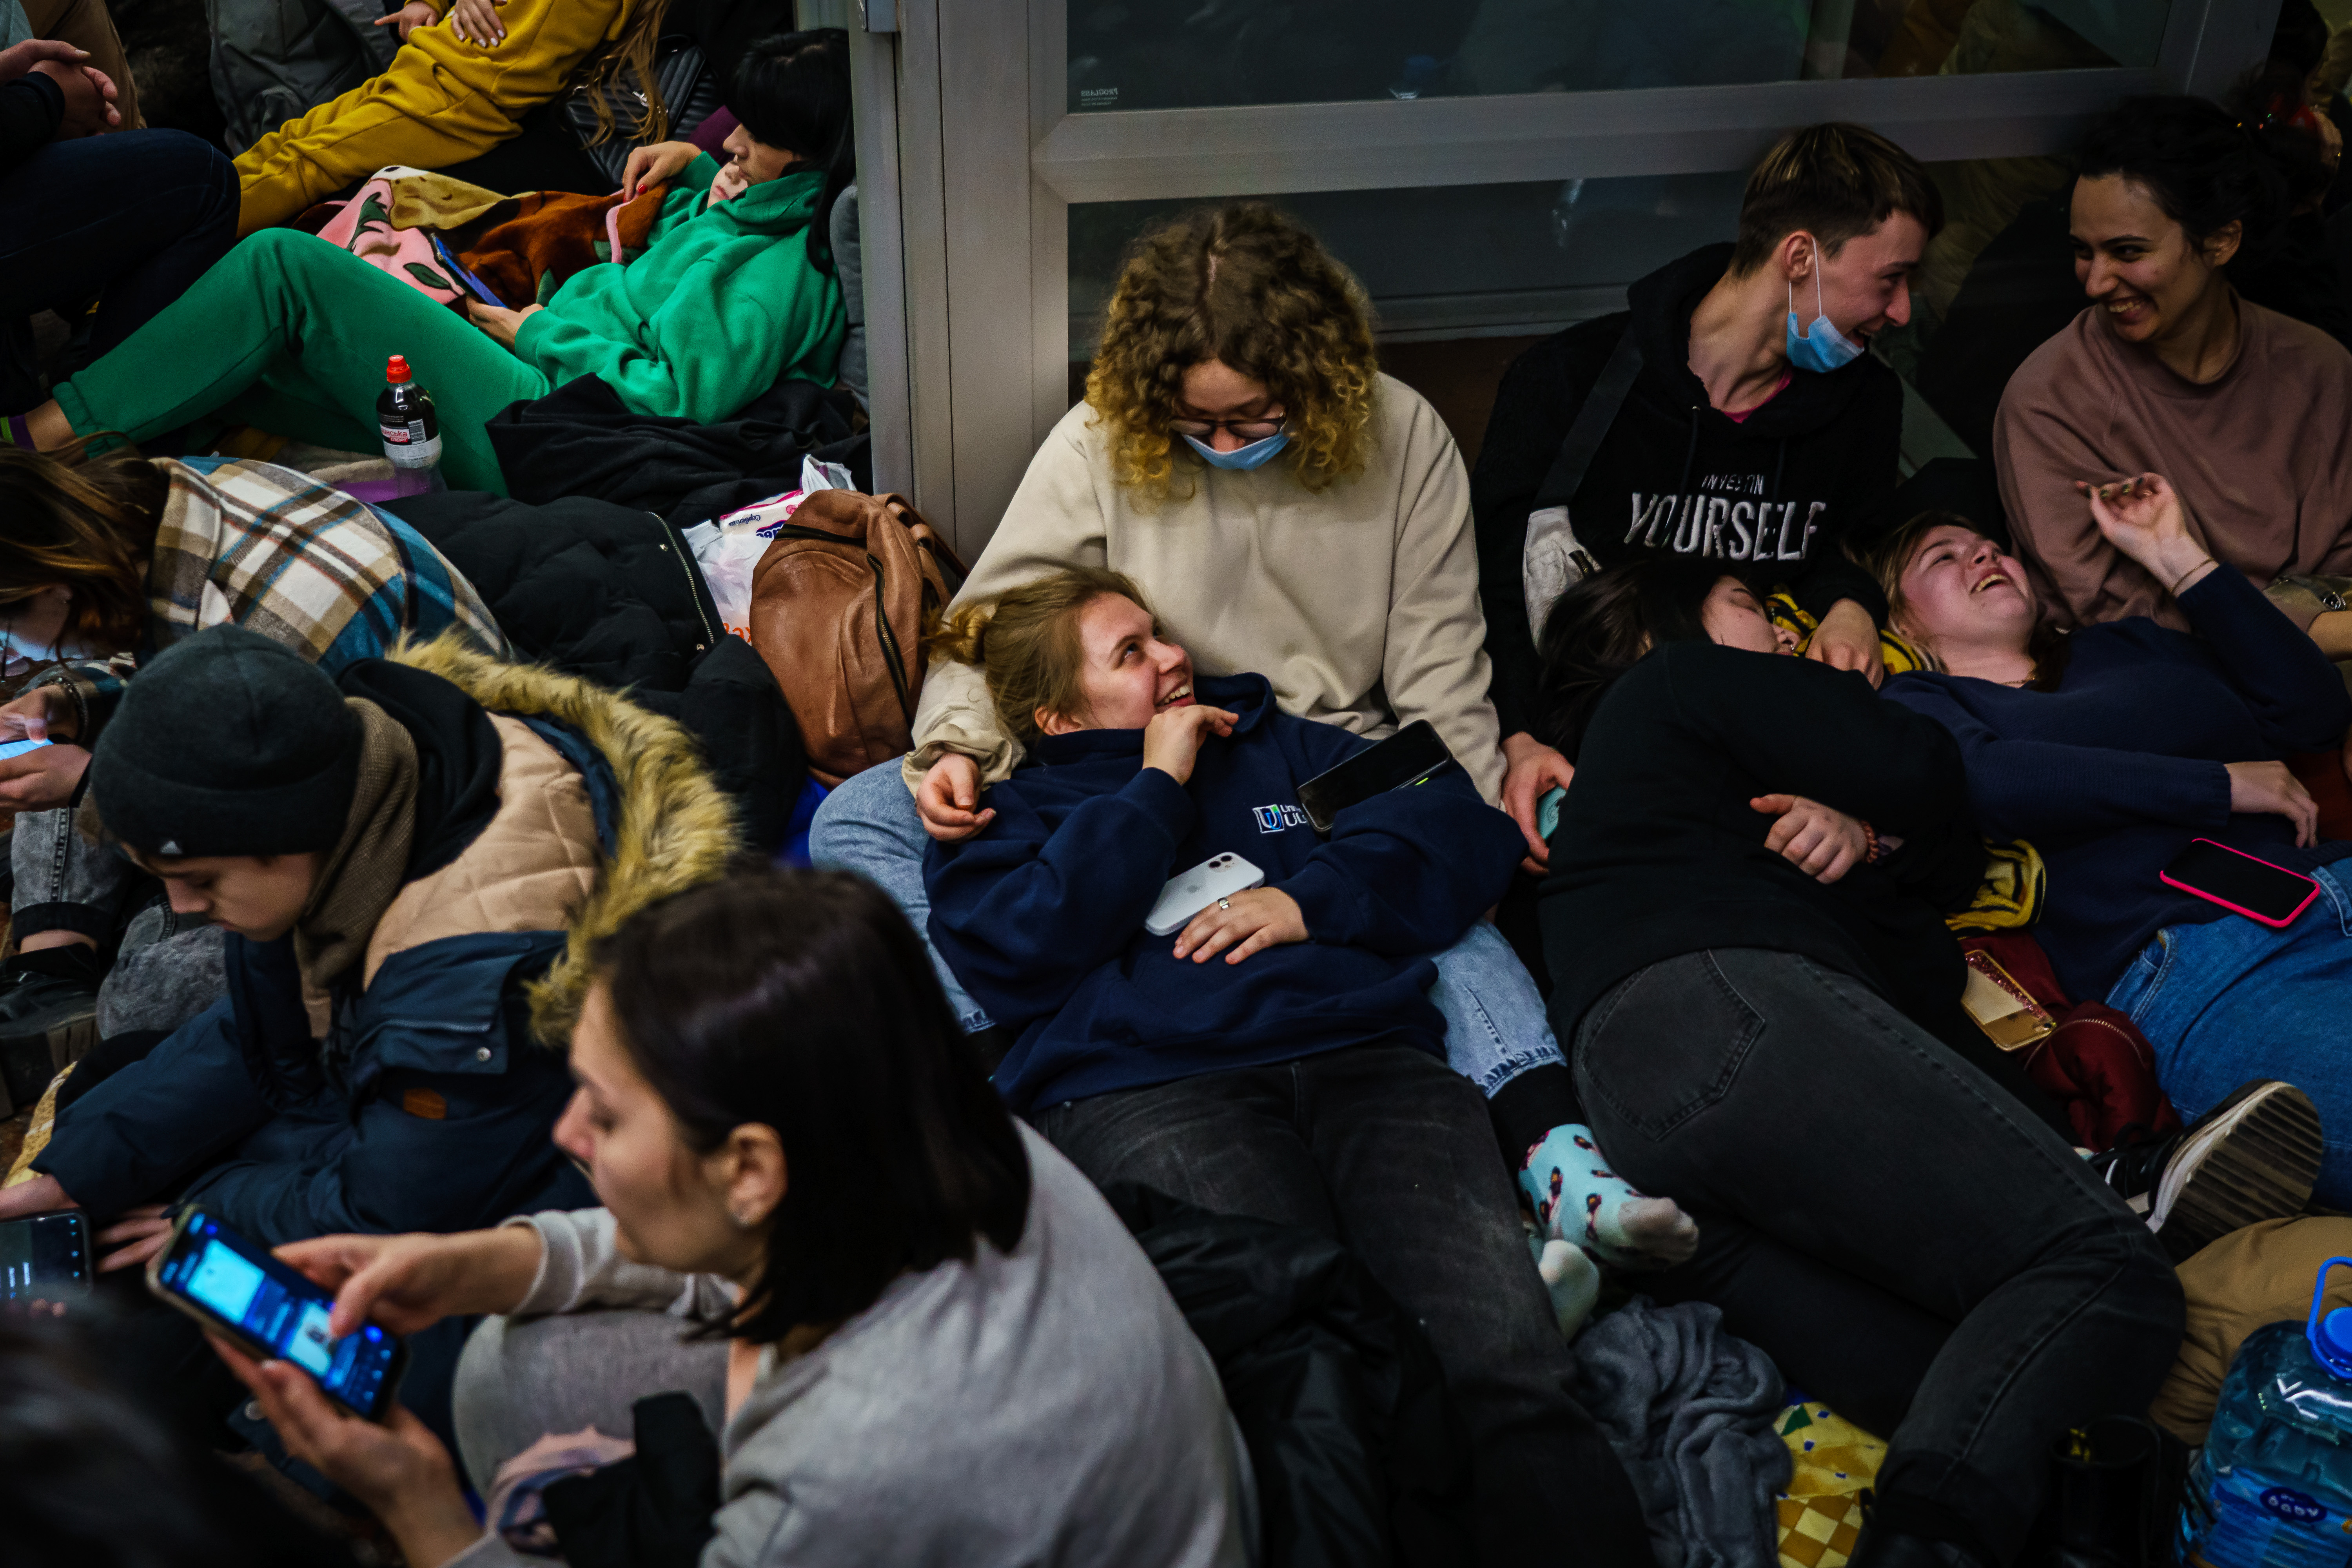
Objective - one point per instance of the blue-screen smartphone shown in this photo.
(19, 748)
(457, 268)
(229, 1283)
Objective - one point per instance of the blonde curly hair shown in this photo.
(1250, 287)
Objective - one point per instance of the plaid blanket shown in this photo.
(275, 552)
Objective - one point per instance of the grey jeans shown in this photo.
(522, 1378)
(168, 967)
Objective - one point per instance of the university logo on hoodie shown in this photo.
(1719, 521)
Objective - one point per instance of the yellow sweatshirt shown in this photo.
(441, 101)
(1359, 604)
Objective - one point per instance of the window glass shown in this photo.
(1124, 55)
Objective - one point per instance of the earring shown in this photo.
(740, 1219)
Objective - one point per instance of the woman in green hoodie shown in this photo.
(736, 290)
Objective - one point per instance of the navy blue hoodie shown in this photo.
(1041, 915)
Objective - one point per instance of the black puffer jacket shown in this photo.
(613, 594)
(1360, 1456)
(1774, 496)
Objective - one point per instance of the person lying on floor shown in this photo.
(1904, 1238)
(2112, 748)
(121, 556)
(401, 859)
(941, 1343)
(291, 335)
(1277, 1056)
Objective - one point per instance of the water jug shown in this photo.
(2272, 1487)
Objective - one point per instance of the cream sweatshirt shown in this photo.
(1359, 604)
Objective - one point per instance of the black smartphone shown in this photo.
(456, 269)
(45, 1256)
(1403, 759)
(225, 1282)
(2240, 883)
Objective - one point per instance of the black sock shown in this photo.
(1531, 1105)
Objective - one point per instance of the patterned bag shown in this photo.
(364, 228)
(690, 91)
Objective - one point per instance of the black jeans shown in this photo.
(1388, 1150)
(139, 213)
(1905, 1241)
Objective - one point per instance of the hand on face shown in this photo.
(1173, 740)
(1847, 638)
(1128, 675)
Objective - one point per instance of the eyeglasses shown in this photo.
(1243, 430)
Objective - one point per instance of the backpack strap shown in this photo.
(1550, 556)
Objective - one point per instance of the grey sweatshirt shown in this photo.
(1045, 1406)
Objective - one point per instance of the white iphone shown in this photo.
(1189, 893)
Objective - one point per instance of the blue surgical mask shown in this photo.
(1256, 455)
(1827, 349)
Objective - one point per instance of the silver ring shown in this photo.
(1224, 903)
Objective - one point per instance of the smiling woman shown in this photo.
(2170, 369)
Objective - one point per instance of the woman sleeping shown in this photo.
(2110, 749)
(1276, 1055)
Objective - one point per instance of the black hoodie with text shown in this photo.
(1773, 496)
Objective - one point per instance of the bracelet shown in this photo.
(2175, 590)
(1870, 834)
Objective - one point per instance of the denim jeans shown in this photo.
(1865, 1197)
(1383, 1148)
(1495, 1026)
(2233, 999)
(141, 215)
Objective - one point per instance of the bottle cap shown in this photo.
(2330, 1336)
(2336, 1329)
(397, 371)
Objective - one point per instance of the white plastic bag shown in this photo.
(728, 557)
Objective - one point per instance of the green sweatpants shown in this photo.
(289, 334)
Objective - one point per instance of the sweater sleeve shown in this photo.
(1023, 916)
(2043, 442)
(1822, 733)
(1869, 472)
(2029, 789)
(2296, 692)
(1054, 520)
(581, 1266)
(1405, 872)
(30, 108)
(1433, 666)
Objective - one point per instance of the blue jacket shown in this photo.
(1041, 915)
(430, 1103)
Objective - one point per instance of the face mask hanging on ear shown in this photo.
(1257, 454)
(1827, 349)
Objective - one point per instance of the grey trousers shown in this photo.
(168, 968)
(522, 1378)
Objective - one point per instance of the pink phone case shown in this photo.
(2280, 924)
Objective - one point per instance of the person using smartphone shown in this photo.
(2111, 748)
(1777, 1039)
(407, 863)
(939, 1342)
(1279, 1056)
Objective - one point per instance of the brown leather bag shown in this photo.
(839, 606)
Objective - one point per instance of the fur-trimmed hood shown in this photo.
(675, 828)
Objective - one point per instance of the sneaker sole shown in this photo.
(2260, 1163)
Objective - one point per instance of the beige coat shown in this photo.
(1359, 604)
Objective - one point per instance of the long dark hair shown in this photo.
(1603, 626)
(2203, 168)
(803, 1001)
(86, 524)
(791, 90)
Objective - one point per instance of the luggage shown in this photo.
(840, 604)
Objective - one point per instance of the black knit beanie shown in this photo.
(227, 743)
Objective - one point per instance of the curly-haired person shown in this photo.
(1288, 510)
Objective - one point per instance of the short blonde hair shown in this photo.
(1249, 287)
(1027, 644)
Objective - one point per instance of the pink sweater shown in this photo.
(2261, 455)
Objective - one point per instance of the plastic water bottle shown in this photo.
(412, 431)
(2273, 1487)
